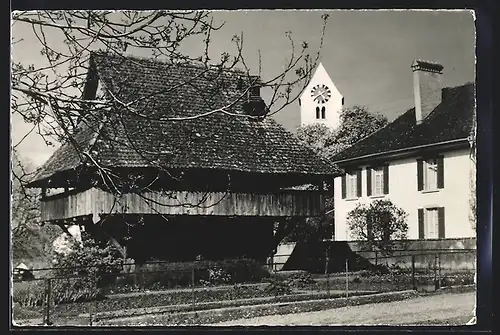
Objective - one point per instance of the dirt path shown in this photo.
(437, 309)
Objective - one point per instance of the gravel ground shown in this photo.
(440, 309)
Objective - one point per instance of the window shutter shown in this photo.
(358, 182)
(386, 179)
(421, 223)
(420, 174)
(343, 186)
(368, 181)
(441, 229)
(440, 172)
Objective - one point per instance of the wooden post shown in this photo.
(413, 272)
(90, 313)
(435, 272)
(192, 286)
(327, 273)
(439, 270)
(47, 301)
(346, 278)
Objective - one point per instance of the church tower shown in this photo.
(321, 101)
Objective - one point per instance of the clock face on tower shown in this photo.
(321, 93)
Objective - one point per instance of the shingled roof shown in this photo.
(451, 120)
(145, 133)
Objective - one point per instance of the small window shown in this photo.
(351, 185)
(431, 223)
(342, 101)
(317, 112)
(323, 112)
(378, 181)
(300, 102)
(431, 226)
(430, 174)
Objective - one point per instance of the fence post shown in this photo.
(435, 272)
(90, 313)
(414, 286)
(439, 270)
(327, 273)
(192, 286)
(346, 278)
(47, 301)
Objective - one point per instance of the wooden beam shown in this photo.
(65, 229)
(290, 203)
(121, 249)
(44, 193)
(285, 227)
(67, 221)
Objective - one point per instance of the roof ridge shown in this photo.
(447, 88)
(406, 133)
(188, 64)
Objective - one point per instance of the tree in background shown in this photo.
(378, 225)
(24, 201)
(31, 243)
(355, 124)
(318, 137)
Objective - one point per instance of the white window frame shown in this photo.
(431, 223)
(351, 183)
(377, 175)
(430, 174)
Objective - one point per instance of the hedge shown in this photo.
(179, 275)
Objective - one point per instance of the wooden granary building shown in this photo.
(179, 162)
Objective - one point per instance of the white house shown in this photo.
(421, 162)
(321, 101)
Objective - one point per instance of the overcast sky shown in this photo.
(367, 54)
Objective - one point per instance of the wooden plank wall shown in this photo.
(290, 203)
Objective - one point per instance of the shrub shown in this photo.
(85, 272)
(378, 225)
(278, 287)
(356, 280)
(28, 293)
(458, 279)
(245, 270)
(206, 273)
(301, 279)
(75, 289)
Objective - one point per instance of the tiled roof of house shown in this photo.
(451, 120)
(136, 137)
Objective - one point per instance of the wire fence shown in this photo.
(86, 297)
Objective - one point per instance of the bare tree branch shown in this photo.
(51, 98)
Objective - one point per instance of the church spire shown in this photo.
(321, 101)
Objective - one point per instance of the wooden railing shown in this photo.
(95, 201)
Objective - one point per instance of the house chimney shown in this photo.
(426, 87)
(255, 105)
